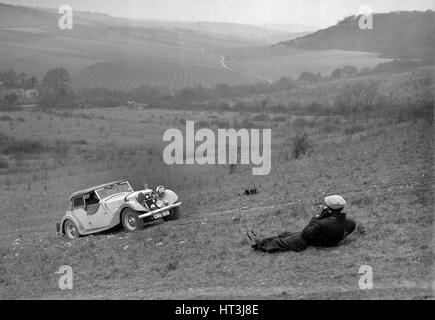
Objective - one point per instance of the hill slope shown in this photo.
(33, 43)
(395, 35)
(384, 175)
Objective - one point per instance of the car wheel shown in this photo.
(71, 230)
(131, 221)
(174, 214)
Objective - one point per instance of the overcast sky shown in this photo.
(317, 13)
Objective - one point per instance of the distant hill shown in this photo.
(405, 34)
(289, 27)
(262, 35)
(45, 18)
(118, 53)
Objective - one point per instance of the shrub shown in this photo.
(303, 123)
(220, 123)
(4, 139)
(171, 266)
(80, 142)
(300, 145)
(247, 124)
(5, 118)
(3, 164)
(202, 124)
(328, 127)
(4, 105)
(261, 117)
(280, 118)
(23, 146)
(354, 129)
(223, 106)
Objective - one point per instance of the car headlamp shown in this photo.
(159, 203)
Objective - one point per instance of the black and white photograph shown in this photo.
(224, 151)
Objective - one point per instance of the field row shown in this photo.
(120, 76)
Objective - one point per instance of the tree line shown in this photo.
(349, 71)
(55, 91)
(12, 80)
(54, 88)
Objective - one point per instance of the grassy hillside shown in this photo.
(281, 61)
(396, 35)
(401, 88)
(385, 174)
(382, 166)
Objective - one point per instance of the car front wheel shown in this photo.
(71, 230)
(131, 221)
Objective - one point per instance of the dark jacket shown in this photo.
(328, 229)
(324, 230)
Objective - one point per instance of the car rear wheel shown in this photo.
(174, 214)
(131, 221)
(71, 230)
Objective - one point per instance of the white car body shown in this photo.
(106, 214)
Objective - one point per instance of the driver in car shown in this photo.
(92, 199)
(326, 229)
(92, 202)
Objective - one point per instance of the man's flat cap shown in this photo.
(335, 202)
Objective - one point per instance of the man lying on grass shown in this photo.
(326, 229)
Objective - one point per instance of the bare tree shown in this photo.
(300, 145)
(11, 99)
(358, 96)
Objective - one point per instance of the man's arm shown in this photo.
(311, 231)
(285, 234)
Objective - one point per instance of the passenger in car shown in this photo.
(326, 229)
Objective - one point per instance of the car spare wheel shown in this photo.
(71, 230)
(131, 221)
(174, 214)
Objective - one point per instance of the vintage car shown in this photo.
(103, 207)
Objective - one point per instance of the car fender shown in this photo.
(169, 196)
(134, 205)
(70, 216)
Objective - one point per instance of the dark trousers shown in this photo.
(284, 242)
(333, 232)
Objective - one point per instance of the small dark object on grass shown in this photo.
(250, 191)
(5, 118)
(361, 229)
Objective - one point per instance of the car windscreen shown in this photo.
(110, 190)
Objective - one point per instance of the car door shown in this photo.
(97, 215)
(78, 210)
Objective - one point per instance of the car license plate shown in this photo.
(161, 214)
